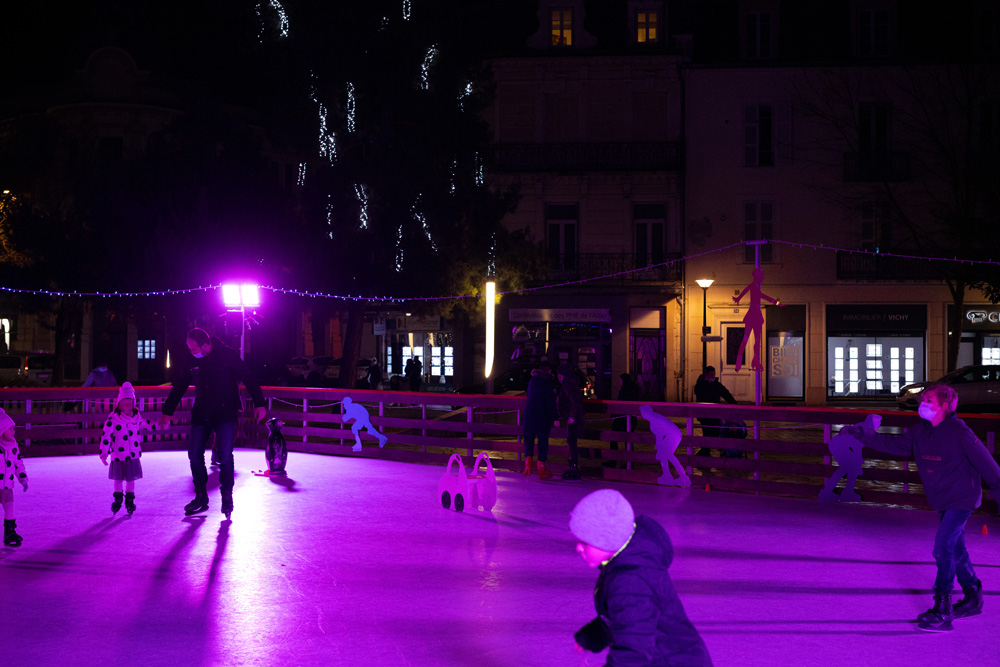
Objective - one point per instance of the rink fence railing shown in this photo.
(785, 452)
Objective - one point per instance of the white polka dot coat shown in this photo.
(11, 464)
(122, 436)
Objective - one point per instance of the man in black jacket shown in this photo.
(216, 371)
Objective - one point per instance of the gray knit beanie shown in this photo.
(127, 391)
(603, 519)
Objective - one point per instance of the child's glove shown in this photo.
(24, 483)
(104, 459)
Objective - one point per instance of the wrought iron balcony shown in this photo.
(876, 167)
(619, 267)
(646, 156)
(860, 266)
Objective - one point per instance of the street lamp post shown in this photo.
(704, 284)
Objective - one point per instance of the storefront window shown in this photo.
(873, 366)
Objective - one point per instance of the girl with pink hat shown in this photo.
(123, 443)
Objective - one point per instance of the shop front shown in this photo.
(873, 350)
(980, 335)
(578, 336)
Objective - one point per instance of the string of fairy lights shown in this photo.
(393, 299)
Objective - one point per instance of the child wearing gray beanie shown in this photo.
(639, 615)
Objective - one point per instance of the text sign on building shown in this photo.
(981, 318)
(559, 315)
(866, 317)
(784, 369)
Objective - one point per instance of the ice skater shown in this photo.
(359, 415)
(12, 471)
(122, 442)
(753, 320)
(668, 436)
(847, 450)
(216, 371)
(952, 463)
(639, 614)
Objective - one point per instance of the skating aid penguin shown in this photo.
(277, 450)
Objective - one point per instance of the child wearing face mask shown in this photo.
(122, 442)
(952, 463)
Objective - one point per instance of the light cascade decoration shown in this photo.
(362, 194)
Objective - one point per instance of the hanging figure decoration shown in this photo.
(359, 415)
(847, 450)
(668, 436)
(754, 320)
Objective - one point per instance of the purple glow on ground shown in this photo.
(352, 561)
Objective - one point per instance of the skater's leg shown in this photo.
(8, 510)
(118, 486)
(950, 529)
(129, 486)
(964, 571)
(225, 435)
(356, 430)
(196, 457)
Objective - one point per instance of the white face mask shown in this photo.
(197, 355)
(927, 412)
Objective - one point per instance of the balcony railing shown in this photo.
(876, 167)
(646, 156)
(860, 266)
(617, 266)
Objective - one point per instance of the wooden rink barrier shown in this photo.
(789, 457)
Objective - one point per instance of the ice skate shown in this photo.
(199, 504)
(10, 536)
(227, 506)
(116, 504)
(130, 503)
(972, 603)
(543, 471)
(572, 473)
(939, 617)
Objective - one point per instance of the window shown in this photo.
(874, 225)
(147, 349)
(758, 225)
(561, 221)
(873, 366)
(758, 35)
(562, 26)
(650, 223)
(874, 136)
(646, 26)
(758, 135)
(873, 33)
(988, 30)
(443, 361)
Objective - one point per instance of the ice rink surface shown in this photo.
(353, 561)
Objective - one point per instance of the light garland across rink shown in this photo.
(391, 299)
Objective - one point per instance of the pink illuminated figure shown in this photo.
(668, 436)
(359, 415)
(753, 320)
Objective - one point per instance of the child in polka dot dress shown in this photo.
(12, 470)
(122, 442)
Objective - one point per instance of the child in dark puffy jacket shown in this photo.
(639, 614)
(122, 443)
(952, 463)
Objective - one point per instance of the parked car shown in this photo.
(39, 368)
(11, 369)
(978, 389)
(323, 371)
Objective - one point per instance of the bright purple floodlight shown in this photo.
(231, 296)
(250, 296)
